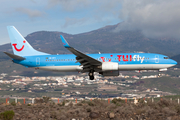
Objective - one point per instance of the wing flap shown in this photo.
(84, 56)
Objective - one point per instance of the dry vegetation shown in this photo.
(95, 109)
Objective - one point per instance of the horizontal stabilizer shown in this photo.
(16, 57)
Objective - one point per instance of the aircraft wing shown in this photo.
(85, 60)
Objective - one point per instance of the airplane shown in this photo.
(108, 64)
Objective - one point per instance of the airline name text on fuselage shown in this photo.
(126, 58)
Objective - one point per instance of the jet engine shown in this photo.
(109, 69)
(109, 66)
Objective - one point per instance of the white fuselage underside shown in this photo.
(121, 67)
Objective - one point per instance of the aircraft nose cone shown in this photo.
(173, 62)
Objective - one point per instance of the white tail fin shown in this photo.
(19, 44)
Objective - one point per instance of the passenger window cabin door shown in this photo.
(156, 58)
(37, 61)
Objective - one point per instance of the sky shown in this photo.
(155, 18)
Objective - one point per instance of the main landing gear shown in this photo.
(91, 74)
(159, 74)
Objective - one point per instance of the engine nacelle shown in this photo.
(109, 66)
(110, 73)
(164, 69)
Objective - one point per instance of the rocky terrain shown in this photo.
(95, 110)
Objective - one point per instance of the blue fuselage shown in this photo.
(126, 61)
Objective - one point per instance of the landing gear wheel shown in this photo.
(91, 77)
(159, 75)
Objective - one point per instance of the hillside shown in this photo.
(103, 40)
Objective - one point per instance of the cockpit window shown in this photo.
(166, 57)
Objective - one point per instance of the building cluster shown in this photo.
(50, 83)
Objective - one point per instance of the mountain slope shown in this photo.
(103, 40)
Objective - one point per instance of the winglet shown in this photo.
(65, 43)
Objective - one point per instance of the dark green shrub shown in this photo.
(118, 101)
(43, 100)
(140, 101)
(163, 103)
(13, 104)
(177, 107)
(63, 103)
(46, 99)
(83, 102)
(7, 115)
(28, 104)
(91, 103)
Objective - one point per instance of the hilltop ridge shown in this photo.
(105, 40)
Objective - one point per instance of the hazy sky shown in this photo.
(155, 18)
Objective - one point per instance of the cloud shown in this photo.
(86, 11)
(70, 5)
(33, 1)
(155, 18)
(74, 21)
(29, 12)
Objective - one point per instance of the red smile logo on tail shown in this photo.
(20, 48)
